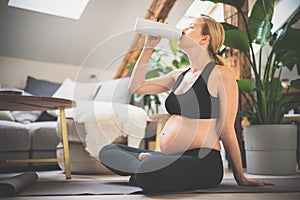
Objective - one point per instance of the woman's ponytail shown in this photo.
(219, 60)
(217, 36)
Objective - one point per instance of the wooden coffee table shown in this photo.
(13, 102)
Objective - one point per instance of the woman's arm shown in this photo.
(139, 85)
(228, 95)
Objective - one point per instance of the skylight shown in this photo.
(198, 8)
(63, 8)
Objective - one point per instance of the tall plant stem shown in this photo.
(254, 102)
(251, 48)
(259, 66)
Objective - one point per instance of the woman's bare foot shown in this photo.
(142, 156)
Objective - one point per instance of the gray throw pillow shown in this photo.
(40, 87)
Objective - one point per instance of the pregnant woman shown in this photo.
(202, 106)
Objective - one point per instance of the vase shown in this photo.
(271, 149)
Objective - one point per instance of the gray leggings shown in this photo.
(193, 169)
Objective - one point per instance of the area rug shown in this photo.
(27, 184)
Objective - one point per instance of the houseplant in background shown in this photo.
(270, 145)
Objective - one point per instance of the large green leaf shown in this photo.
(288, 36)
(236, 3)
(287, 45)
(167, 69)
(275, 91)
(289, 59)
(228, 27)
(288, 41)
(245, 85)
(237, 39)
(260, 21)
(249, 114)
(175, 63)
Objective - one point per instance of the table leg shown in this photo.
(65, 143)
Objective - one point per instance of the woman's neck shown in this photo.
(199, 59)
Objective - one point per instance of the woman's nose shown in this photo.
(184, 31)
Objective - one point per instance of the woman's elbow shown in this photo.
(227, 131)
(131, 89)
(135, 90)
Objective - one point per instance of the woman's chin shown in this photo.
(182, 46)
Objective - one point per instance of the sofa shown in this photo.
(103, 115)
(29, 134)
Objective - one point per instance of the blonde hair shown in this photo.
(217, 36)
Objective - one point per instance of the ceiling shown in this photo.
(36, 36)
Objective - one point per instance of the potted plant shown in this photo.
(270, 145)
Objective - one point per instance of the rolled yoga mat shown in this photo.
(13, 185)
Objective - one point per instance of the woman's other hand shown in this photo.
(142, 156)
(251, 182)
(152, 41)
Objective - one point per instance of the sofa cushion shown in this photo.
(26, 117)
(43, 135)
(40, 87)
(6, 115)
(44, 154)
(76, 131)
(76, 90)
(14, 136)
(114, 91)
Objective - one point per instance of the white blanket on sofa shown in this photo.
(104, 122)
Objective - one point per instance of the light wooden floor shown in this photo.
(58, 175)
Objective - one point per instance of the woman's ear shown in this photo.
(205, 39)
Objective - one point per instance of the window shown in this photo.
(63, 8)
(198, 8)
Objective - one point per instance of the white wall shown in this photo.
(55, 48)
(14, 71)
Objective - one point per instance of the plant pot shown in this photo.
(271, 149)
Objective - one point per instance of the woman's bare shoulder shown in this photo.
(225, 72)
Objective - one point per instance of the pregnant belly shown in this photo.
(181, 133)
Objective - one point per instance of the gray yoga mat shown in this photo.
(101, 187)
(26, 184)
(280, 185)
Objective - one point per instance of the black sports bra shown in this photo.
(196, 102)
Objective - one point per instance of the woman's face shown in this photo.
(192, 36)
